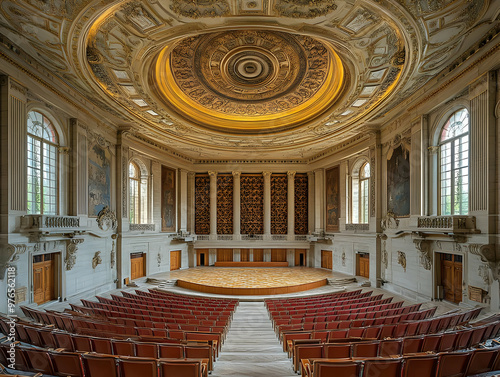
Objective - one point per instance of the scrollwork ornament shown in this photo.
(71, 250)
(423, 248)
(402, 260)
(106, 219)
(158, 259)
(9, 255)
(96, 260)
(390, 221)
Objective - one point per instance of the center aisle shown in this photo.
(251, 347)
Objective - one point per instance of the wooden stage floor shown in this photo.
(251, 280)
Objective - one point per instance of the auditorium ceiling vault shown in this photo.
(247, 79)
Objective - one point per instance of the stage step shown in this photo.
(251, 347)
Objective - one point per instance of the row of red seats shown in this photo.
(296, 301)
(397, 329)
(301, 309)
(444, 342)
(444, 364)
(386, 317)
(73, 364)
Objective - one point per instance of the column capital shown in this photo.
(266, 174)
(291, 174)
(310, 173)
(191, 174)
(236, 174)
(433, 149)
(212, 174)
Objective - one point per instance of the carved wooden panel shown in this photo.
(301, 204)
(224, 204)
(202, 204)
(252, 204)
(279, 204)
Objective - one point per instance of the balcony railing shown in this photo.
(357, 227)
(451, 224)
(142, 227)
(51, 224)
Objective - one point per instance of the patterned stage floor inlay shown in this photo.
(251, 277)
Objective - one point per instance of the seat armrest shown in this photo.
(306, 368)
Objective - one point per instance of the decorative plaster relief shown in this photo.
(423, 248)
(71, 250)
(402, 260)
(106, 219)
(96, 260)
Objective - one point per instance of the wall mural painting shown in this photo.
(99, 178)
(332, 199)
(398, 182)
(167, 199)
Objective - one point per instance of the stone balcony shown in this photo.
(447, 224)
(44, 224)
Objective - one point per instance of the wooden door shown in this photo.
(44, 282)
(258, 255)
(326, 259)
(451, 277)
(137, 265)
(363, 265)
(278, 255)
(202, 257)
(224, 255)
(244, 255)
(300, 257)
(175, 260)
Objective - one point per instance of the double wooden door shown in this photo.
(44, 278)
(451, 277)
(137, 265)
(175, 260)
(363, 265)
(326, 259)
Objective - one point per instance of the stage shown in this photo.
(251, 281)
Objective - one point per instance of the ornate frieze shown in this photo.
(357, 227)
(200, 9)
(142, 227)
(304, 8)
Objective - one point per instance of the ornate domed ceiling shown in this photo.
(243, 79)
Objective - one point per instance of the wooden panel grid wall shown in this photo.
(279, 204)
(258, 255)
(245, 255)
(224, 255)
(326, 259)
(224, 204)
(202, 204)
(278, 255)
(252, 204)
(175, 260)
(301, 204)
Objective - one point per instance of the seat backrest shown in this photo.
(137, 366)
(482, 360)
(448, 341)
(39, 360)
(100, 365)
(82, 343)
(146, 349)
(390, 347)
(179, 368)
(337, 368)
(382, 367)
(431, 343)
(306, 351)
(335, 351)
(102, 345)
(365, 349)
(67, 364)
(419, 366)
(64, 340)
(453, 364)
(123, 348)
(171, 351)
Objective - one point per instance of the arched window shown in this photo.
(454, 164)
(43, 145)
(360, 189)
(137, 195)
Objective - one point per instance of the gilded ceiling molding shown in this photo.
(200, 9)
(304, 8)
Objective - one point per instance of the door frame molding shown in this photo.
(60, 277)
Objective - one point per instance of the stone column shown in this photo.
(319, 200)
(267, 204)
(236, 205)
(183, 201)
(213, 204)
(291, 205)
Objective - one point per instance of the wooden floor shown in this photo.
(251, 281)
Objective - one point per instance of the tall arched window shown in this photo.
(42, 165)
(360, 189)
(134, 193)
(137, 194)
(454, 164)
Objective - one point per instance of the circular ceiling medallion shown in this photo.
(248, 80)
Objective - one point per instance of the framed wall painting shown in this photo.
(99, 179)
(332, 179)
(167, 199)
(398, 183)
